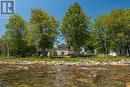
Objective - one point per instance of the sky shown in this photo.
(58, 8)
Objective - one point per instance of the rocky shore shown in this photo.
(10, 67)
(88, 63)
(95, 69)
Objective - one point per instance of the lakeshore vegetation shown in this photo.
(108, 32)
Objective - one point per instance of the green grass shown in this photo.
(99, 58)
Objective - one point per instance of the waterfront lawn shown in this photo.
(103, 58)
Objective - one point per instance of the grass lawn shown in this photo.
(66, 59)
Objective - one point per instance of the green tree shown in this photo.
(4, 45)
(119, 30)
(15, 35)
(41, 30)
(99, 32)
(114, 29)
(74, 27)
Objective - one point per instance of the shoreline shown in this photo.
(87, 63)
(7, 67)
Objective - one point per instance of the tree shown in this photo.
(114, 28)
(41, 30)
(119, 30)
(74, 27)
(99, 32)
(15, 35)
(5, 41)
(90, 44)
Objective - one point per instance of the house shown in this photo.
(64, 50)
(2, 49)
(112, 53)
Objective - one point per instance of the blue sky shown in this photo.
(58, 8)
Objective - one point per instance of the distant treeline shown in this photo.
(109, 32)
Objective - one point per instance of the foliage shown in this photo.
(112, 31)
(15, 35)
(98, 58)
(74, 26)
(41, 30)
(109, 32)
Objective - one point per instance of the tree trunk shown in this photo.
(128, 50)
(123, 51)
(77, 52)
(44, 52)
(8, 51)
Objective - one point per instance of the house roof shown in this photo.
(62, 47)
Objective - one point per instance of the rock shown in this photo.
(9, 69)
(25, 62)
(52, 72)
(25, 68)
(95, 76)
(104, 63)
(24, 85)
(84, 80)
(22, 68)
(128, 84)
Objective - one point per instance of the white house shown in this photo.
(112, 53)
(63, 50)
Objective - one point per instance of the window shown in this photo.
(62, 53)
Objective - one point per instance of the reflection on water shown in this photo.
(69, 76)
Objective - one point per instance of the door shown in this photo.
(62, 53)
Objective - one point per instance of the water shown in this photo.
(68, 76)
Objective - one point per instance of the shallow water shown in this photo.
(68, 76)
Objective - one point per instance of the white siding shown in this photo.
(112, 53)
(59, 52)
